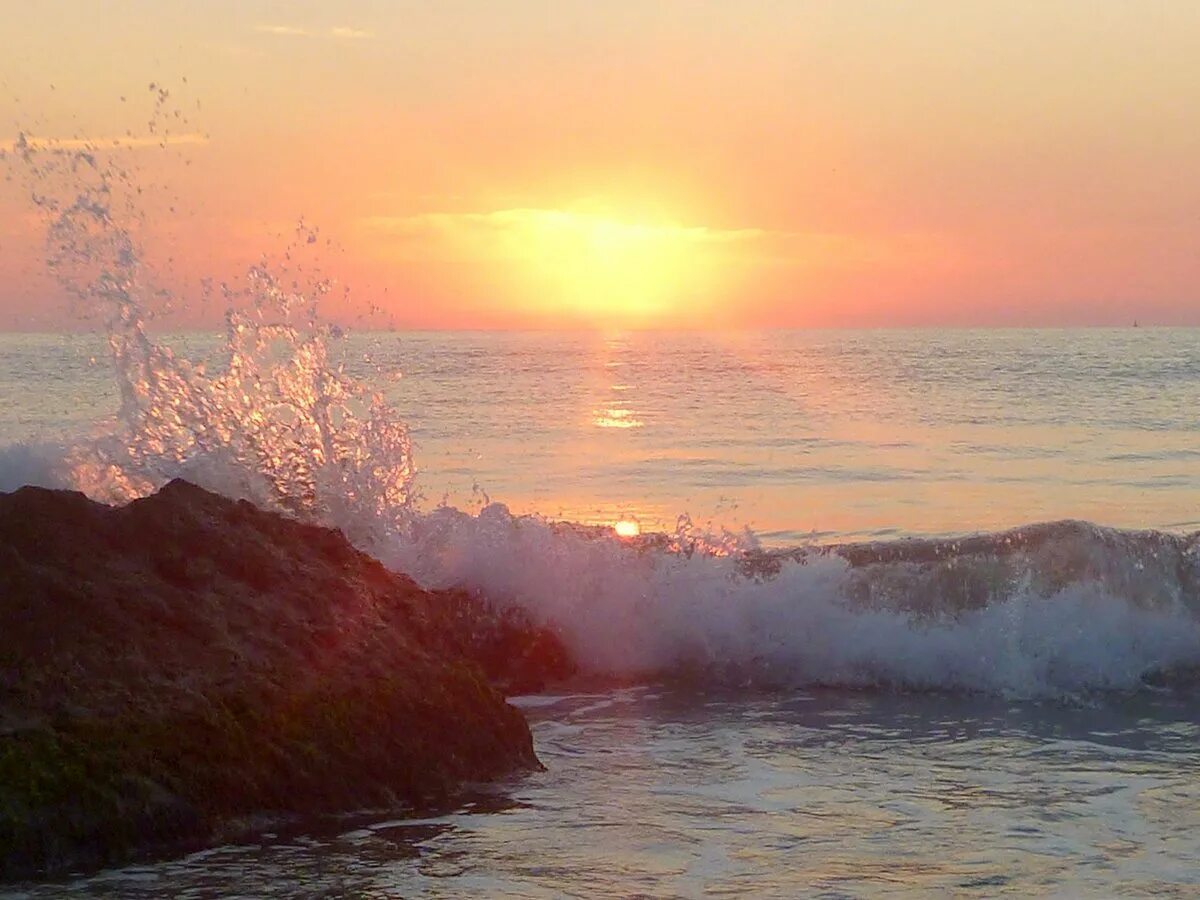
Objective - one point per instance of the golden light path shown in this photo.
(615, 417)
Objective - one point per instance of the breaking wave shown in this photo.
(1045, 610)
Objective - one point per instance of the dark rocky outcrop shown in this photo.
(170, 666)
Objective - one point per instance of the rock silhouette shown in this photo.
(170, 667)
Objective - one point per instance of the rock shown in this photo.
(176, 664)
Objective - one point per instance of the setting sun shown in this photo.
(606, 267)
(581, 265)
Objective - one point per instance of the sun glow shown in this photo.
(608, 268)
(594, 267)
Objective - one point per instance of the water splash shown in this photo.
(275, 421)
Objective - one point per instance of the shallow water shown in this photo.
(664, 792)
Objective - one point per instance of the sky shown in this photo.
(680, 163)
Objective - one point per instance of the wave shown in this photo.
(1041, 611)
(1045, 610)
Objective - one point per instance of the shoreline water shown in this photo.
(675, 792)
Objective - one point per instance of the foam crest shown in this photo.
(631, 610)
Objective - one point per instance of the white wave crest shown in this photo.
(627, 610)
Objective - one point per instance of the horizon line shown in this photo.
(610, 329)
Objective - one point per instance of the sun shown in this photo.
(605, 268)
(608, 269)
(581, 265)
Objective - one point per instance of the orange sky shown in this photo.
(563, 163)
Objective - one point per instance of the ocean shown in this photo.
(801, 436)
(961, 704)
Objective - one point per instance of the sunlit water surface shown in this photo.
(800, 435)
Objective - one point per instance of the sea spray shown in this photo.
(275, 421)
(633, 609)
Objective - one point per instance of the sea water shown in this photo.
(873, 760)
(801, 435)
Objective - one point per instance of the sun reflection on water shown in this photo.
(616, 417)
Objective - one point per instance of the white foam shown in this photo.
(625, 611)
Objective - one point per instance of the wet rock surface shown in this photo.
(172, 666)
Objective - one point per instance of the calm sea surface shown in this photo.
(727, 790)
(800, 435)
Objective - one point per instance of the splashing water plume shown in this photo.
(277, 424)
(276, 421)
